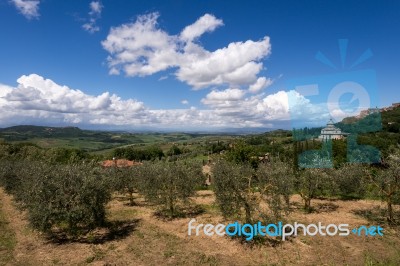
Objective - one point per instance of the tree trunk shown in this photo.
(287, 200)
(390, 209)
(131, 198)
(248, 212)
(171, 207)
(307, 204)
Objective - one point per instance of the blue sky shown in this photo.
(192, 65)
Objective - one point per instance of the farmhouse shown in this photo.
(119, 163)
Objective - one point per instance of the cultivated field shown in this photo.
(138, 237)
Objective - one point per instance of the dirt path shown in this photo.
(24, 241)
(31, 248)
(7, 237)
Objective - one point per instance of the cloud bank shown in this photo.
(40, 100)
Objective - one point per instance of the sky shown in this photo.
(195, 65)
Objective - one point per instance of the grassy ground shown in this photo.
(140, 238)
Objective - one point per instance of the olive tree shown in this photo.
(68, 197)
(9, 177)
(235, 190)
(126, 180)
(311, 182)
(388, 182)
(276, 185)
(170, 184)
(350, 181)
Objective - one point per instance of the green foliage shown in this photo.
(381, 140)
(216, 147)
(388, 182)
(276, 182)
(170, 184)
(306, 133)
(312, 182)
(10, 177)
(249, 195)
(174, 150)
(339, 152)
(61, 197)
(370, 123)
(23, 150)
(351, 181)
(321, 158)
(126, 180)
(139, 154)
(65, 156)
(235, 189)
(29, 151)
(242, 153)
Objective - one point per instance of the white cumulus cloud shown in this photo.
(141, 48)
(28, 8)
(216, 98)
(206, 23)
(38, 98)
(260, 84)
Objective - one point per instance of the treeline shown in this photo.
(30, 151)
(139, 154)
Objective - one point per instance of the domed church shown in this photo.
(331, 132)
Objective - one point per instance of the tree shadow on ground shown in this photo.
(378, 215)
(180, 212)
(112, 230)
(325, 207)
(258, 241)
(315, 208)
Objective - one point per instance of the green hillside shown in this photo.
(97, 141)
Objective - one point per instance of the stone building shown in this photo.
(331, 132)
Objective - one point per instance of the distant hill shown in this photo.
(388, 136)
(390, 117)
(90, 140)
(61, 136)
(42, 131)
